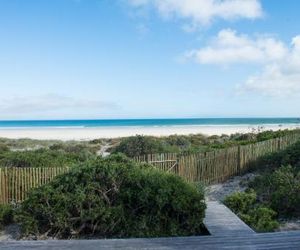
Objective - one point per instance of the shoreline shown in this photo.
(90, 133)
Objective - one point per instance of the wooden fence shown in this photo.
(218, 166)
(16, 182)
(209, 167)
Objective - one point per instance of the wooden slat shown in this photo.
(220, 221)
(218, 166)
(16, 182)
(280, 240)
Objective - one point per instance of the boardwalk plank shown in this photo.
(284, 240)
(220, 220)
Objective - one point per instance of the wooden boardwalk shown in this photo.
(282, 240)
(227, 232)
(220, 221)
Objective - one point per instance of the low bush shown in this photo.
(177, 141)
(81, 150)
(280, 190)
(40, 158)
(270, 134)
(289, 156)
(262, 219)
(241, 202)
(139, 145)
(114, 197)
(3, 148)
(6, 215)
(244, 204)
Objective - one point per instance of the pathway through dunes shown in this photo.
(220, 221)
(103, 151)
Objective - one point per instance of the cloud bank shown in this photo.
(280, 62)
(203, 12)
(228, 47)
(281, 78)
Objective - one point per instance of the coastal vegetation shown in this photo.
(276, 189)
(132, 146)
(41, 158)
(34, 153)
(6, 215)
(113, 197)
(142, 145)
(259, 217)
(68, 146)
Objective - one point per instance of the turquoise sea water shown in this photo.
(147, 122)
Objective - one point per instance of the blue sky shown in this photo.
(65, 59)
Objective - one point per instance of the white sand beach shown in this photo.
(115, 132)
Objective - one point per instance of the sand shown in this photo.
(115, 132)
(218, 192)
(213, 192)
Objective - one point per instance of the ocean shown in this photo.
(147, 122)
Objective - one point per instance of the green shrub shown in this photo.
(244, 204)
(3, 148)
(181, 142)
(262, 219)
(240, 202)
(80, 151)
(267, 135)
(114, 197)
(139, 145)
(40, 158)
(6, 215)
(280, 190)
(289, 156)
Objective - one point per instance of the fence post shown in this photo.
(239, 159)
(177, 164)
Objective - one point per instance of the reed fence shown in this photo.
(209, 167)
(16, 182)
(218, 166)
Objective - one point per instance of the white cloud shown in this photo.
(281, 78)
(203, 12)
(280, 62)
(274, 81)
(228, 47)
